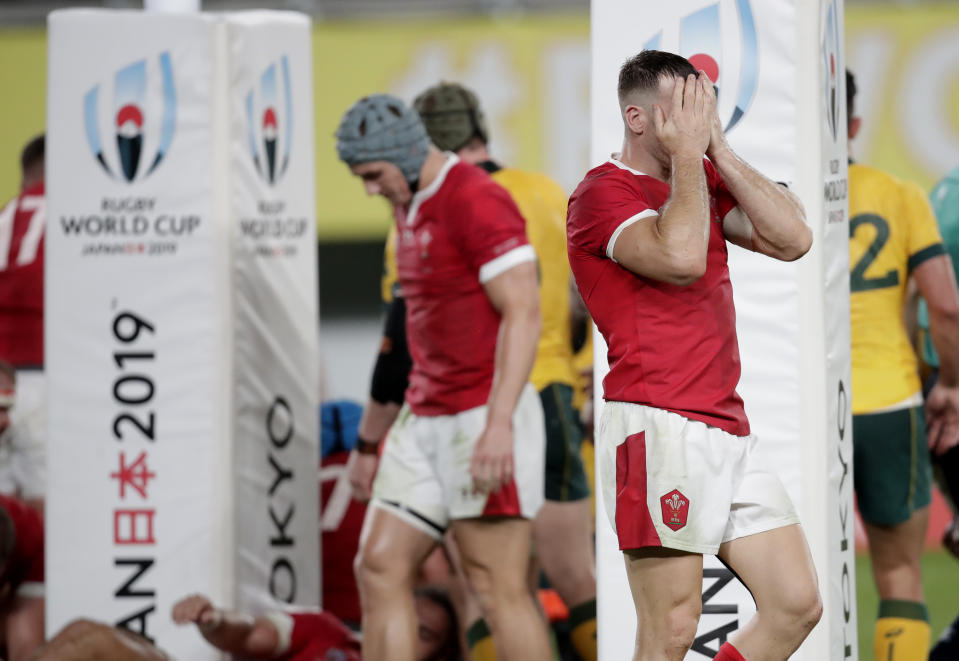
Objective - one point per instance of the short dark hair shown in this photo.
(32, 153)
(850, 96)
(643, 71)
(450, 651)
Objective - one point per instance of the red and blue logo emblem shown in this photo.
(833, 74)
(269, 119)
(733, 66)
(131, 116)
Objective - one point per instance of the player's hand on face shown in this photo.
(685, 130)
(942, 417)
(195, 609)
(362, 470)
(492, 464)
(717, 137)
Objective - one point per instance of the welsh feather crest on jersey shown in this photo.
(143, 118)
(731, 63)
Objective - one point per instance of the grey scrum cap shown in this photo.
(380, 127)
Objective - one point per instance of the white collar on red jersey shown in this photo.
(421, 196)
(613, 158)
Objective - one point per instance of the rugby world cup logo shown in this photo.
(831, 72)
(269, 120)
(704, 35)
(675, 509)
(140, 112)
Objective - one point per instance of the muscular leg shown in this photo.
(892, 478)
(391, 552)
(902, 630)
(474, 632)
(495, 555)
(564, 548)
(563, 539)
(667, 591)
(895, 552)
(777, 568)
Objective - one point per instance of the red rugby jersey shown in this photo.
(458, 233)
(314, 636)
(670, 347)
(25, 564)
(22, 225)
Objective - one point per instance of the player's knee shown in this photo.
(496, 591)
(808, 614)
(375, 570)
(900, 559)
(575, 580)
(680, 623)
(799, 610)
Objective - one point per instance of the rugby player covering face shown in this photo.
(647, 235)
(467, 449)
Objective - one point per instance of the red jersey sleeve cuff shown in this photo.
(646, 213)
(506, 261)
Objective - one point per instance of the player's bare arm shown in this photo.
(243, 635)
(936, 281)
(387, 392)
(770, 219)
(515, 295)
(671, 246)
(375, 423)
(24, 627)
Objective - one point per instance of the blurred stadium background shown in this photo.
(529, 62)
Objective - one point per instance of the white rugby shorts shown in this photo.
(424, 471)
(682, 484)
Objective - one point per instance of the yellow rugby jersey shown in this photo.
(388, 281)
(892, 230)
(542, 203)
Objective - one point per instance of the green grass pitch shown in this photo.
(940, 579)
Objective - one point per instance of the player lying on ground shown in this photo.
(309, 635)
(278, 636)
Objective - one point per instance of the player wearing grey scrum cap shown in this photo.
(466, 452)
(381, 128)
